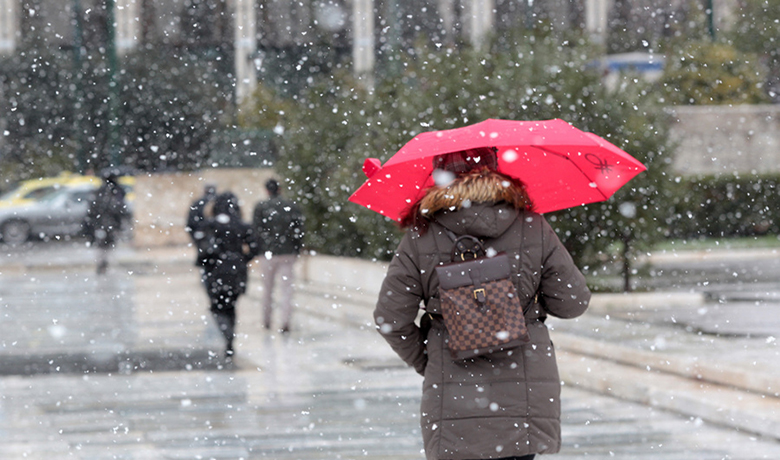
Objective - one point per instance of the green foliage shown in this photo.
(39, 113)
(172, 107)
(265, 109)
(757, 30)
(725, 206)
(702, 73)
(334, 128)
(519, 77)
(757, 27)
(173, 99)
(631, 28)
(629, 117)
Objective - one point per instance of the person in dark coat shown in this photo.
(279, 224)
(194, 217)
(228, 245)
(105, 216)
(503, 405)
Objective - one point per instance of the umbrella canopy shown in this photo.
(560, 165)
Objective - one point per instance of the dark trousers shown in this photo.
(223, 308)
(223, 300)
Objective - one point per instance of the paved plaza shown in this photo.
(129, 366)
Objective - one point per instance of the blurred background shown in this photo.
(179, 90)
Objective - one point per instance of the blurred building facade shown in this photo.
(261, 34)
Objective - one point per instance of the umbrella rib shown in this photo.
(566, 157)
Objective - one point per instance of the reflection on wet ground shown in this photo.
(76, 321)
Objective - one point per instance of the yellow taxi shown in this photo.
(51, 206)
(35, 189)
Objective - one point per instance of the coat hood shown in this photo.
(482, 203)
(481, 220)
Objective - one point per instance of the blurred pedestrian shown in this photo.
(279, 224)
(105, 216)
(225, 246)
(504, 404)
(195, 217)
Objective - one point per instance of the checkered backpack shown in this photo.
(479, 302)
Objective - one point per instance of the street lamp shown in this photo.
(627, 209)
(78, 43)
(113, 87)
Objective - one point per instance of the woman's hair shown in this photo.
(476, 179)
(226, 203)
(467, 160)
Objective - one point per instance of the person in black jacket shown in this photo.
(195, 216)
(226, 245)
(107, 211)
(279, 225)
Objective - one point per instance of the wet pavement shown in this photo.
(129, 366)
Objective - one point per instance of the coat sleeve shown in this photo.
(399, 304)
(252, 243)
(195, 217)
(297, 228)
(564, 291)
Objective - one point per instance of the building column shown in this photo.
(596, 18)
(447, 14)
(245, 48)
(480, 19)
(9, 22)
(363, 41)
(723, 11)
(127, 25)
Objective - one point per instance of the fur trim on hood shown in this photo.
(483, 186)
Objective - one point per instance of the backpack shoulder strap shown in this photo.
(465, 246)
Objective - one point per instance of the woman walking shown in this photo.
(226, 245)
(506, 404)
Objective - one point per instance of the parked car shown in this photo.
(61, 212)
(33, 189)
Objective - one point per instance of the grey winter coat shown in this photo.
(503, 404)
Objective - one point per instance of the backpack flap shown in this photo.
(480, 306)
(474, 273)
(459, 274)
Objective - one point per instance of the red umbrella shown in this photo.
(560, 165)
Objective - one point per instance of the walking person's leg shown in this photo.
(286, 283)
(224, 312)
(104, 250)
(102, 263)
(106, 244)
(268, 273)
